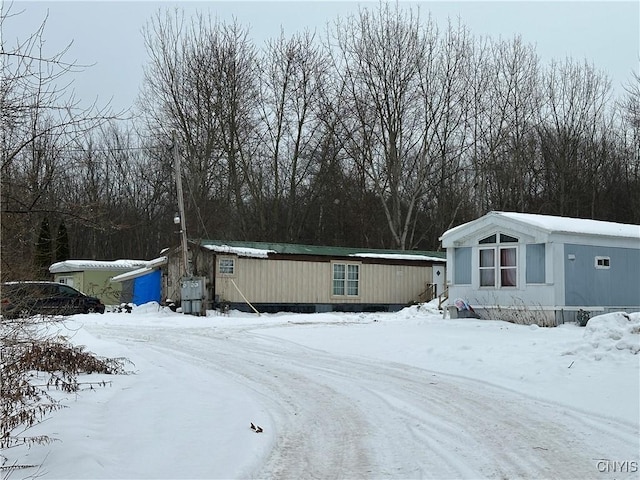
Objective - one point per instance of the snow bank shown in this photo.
(612, 332)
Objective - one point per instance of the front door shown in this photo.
(438, 278)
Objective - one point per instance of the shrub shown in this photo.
(33, 363)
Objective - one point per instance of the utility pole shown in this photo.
(183, 226)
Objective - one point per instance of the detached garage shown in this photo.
(142, 285)
(542, 269)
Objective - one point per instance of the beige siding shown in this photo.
(285, 281)
(282, 281)
(394, 283)
(96, 283)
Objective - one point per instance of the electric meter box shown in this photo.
(193, 294)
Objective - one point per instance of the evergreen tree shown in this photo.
(62, 252)
(44, 251)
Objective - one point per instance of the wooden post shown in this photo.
(245, 298)
(183, 223)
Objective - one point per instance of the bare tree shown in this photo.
(626, 199)
(573, 120)
(380, 57)
(39, 119)
(445, 86)
(292, 79)
(505, 117)
(200, 82)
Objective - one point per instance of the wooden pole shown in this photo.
(183, 223)
(245, 298)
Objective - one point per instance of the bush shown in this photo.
(33, 363)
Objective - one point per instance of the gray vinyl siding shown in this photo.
(586, 285)
(462, 266)
(535, 263)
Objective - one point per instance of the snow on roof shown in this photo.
(574, 225)
(263, 250)
(398, 256)
(240, 251)
(150, 266)
(79, 265)
(132, 274)
(555, 224)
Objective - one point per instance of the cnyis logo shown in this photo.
(610, 466)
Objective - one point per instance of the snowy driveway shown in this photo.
(328, 415)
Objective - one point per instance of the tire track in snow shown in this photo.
(346, 417)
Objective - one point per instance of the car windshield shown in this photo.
(67, 291)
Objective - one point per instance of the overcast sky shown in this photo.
(108, 33)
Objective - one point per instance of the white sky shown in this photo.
(107, 34)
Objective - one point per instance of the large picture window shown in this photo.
(346, 279)
(498, 263)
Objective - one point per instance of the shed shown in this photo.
(543, 269)
(93, 276)
(142, 285)
(275, 277)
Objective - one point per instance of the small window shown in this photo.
(507, 239)
(66, 281)
(226, 266)
(489, 239)
(603, 262)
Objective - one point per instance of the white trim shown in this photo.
(346, 295)
(225, 274)
(602, 263)
(150, 266)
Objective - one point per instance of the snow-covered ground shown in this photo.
(402, 395)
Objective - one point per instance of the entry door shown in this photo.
(438, 278)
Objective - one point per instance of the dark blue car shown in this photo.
(23, 299)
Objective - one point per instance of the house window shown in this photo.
(498, 264)
(535, 263)
(508, 267)
(487, 267)
(226, 266)
(603, 262)
(346, 279)
(66, 281)
(462, 266)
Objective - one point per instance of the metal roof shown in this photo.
(262, 249)
(83, 265)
